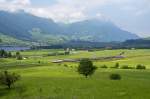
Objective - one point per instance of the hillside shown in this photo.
(19, 24)
(26, 27)
(8, 40)
(99, 31)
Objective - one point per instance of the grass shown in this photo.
(56, 81)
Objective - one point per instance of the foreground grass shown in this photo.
(65, 83)
(55, 81)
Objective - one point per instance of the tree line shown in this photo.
(8, 54)
(5, 54)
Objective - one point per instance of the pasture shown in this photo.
(42, 79)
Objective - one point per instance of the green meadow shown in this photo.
(42, 79)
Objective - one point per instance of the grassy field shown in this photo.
(46, 80)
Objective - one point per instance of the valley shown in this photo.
(79, 49)
(40, 78)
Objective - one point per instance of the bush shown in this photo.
(39, 62)
(115, 66)
(65, 65)
(8, 79)
(9, 54)
(5, 54)
(115, 77)
(17, 53)
(139, 66)
(126, 67)
(86, 67)
(103, 66)
(19, 57)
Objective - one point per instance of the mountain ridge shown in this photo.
(27, 27)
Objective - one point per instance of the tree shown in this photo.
(9, 54)
(139, 66)
(117, 65)
(8, 79)
(86, 67)
(115, 76)
(19, 56)
(3, 53)
(17, 53)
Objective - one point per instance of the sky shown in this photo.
(130, 15)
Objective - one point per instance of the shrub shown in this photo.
(39, 62)
(86, 67)
(17, 53)
(65, 65)
(71, 66)
(5, 54)
(115, 66)
(8, 79)
(103, 66)
(139, 66)
(126, 67)
(9, 54)
(115, 77)
(19, 57)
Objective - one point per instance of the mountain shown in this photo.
(20, 24)
(99, 30)
(26, 27)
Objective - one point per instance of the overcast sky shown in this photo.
(131, 15)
